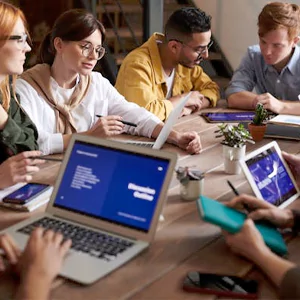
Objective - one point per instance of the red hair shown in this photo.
(9, 16)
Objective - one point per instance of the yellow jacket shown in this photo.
(141, 80)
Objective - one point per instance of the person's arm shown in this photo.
(136, 81)
(37, 271)
(203, 84)
(249, 243)
(239, 93)
(18, 133)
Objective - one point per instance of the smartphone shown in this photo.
(221, 285)
(26, 193)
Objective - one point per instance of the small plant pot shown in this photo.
(257, 131)
(192, 190)
(232, 157)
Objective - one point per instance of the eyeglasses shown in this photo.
(21, 39)
(201, 49)
(88, 49)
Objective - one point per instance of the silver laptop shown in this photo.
(163, 135)
(107, 199)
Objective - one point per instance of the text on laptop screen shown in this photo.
(271, 177)
(112, 184)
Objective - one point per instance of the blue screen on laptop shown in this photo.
(271, 177)
(114, 185)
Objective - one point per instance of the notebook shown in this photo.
(108, 197)
(163, 135)
(30, 206)
(279, 131)
(232, 221)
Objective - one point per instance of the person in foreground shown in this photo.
(62, 95)
(271, 68)
(17, 132)
(250, 244)
(34, 267)
(159, 72)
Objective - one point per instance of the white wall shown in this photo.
(234, 24)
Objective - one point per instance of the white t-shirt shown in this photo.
(101, 99)
(169, 82)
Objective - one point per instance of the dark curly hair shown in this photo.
(186, 21)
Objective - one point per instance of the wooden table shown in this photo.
(183, 242)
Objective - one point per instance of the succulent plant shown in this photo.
(234, 135)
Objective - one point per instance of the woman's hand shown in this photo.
(107, 126)
(19, 168)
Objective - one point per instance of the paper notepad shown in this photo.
(232, 221)
(289, 120)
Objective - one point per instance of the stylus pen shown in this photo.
(233, 188)
(124, 122)
(45, 158)
(236, 192)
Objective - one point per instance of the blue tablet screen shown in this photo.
(271, 177)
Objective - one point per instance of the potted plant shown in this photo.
(258, 125)
(191, 183)
(234, 145)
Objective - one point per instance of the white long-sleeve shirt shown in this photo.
(101, 99)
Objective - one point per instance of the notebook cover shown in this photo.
(232, 221)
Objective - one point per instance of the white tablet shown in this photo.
(270, 176)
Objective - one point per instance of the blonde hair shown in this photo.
(277, 15)
(9, 15)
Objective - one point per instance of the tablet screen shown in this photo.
(271, 177)
(243, 116)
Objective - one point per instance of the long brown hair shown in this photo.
(72, 25)
(9, 15)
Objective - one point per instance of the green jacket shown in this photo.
(19, 133)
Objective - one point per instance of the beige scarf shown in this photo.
(39, 78)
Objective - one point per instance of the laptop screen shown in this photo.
(112, 184)
(271, 177)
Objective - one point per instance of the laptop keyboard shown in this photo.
(142, 144)
(97, 244)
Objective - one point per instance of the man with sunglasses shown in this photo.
(165, 68)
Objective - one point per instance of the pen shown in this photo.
(124, 122)
(236, 192)
(45, 158)
(233, 188)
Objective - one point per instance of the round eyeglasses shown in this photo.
(199, 51)
(88, 49)
(21, 39)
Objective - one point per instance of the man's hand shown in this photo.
(262, 210)
(269, 102)
(107, 126)
(19, 168)
(195, 101)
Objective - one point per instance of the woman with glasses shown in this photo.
(63, 95)
(17, 132)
